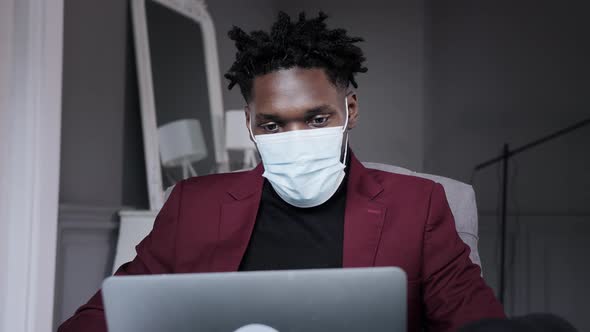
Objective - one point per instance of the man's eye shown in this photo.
(319, 121)
(270, 127)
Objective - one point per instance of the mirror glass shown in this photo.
(183, 112)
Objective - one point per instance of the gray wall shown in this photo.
(510, 72)
(249, 15)
(391, 93)
(506, 72)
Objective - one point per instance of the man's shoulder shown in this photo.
(217, 178)
(401, 183)
(214, 184)
(404, 193)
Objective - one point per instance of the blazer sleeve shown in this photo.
(454, 292)
(155, 255)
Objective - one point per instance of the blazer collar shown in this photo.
(236, 220)
(363, 218)
(250, 183)
(361, 181)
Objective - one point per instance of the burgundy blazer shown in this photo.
(390, 220)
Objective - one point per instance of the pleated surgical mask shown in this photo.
(304, 166)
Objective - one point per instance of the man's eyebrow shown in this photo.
(322, 109)
(268, 117)
(314, 111)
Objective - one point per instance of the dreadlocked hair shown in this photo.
(307, 43)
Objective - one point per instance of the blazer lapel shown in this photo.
(237, 219)
(364, 217)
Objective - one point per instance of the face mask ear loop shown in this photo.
(250, 131)
(345, 130)
(346, 119)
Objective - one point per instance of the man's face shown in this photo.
(297, 99)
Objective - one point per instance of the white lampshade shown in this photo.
(181, 141)
(237, 136)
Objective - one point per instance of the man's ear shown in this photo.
(353, 110)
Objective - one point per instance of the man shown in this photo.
(311, 204)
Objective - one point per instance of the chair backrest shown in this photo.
(461, 198)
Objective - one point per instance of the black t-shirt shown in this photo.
(288, 237)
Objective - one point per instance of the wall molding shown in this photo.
(85, 252)
(74, 216)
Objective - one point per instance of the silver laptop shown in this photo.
(357, 299)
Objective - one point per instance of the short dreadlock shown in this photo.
(307, 43)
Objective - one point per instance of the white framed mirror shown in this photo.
(180, 92)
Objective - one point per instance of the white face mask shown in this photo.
(303, 166)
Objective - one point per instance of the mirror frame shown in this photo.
(195, 10)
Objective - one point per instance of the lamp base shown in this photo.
(187, 170)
